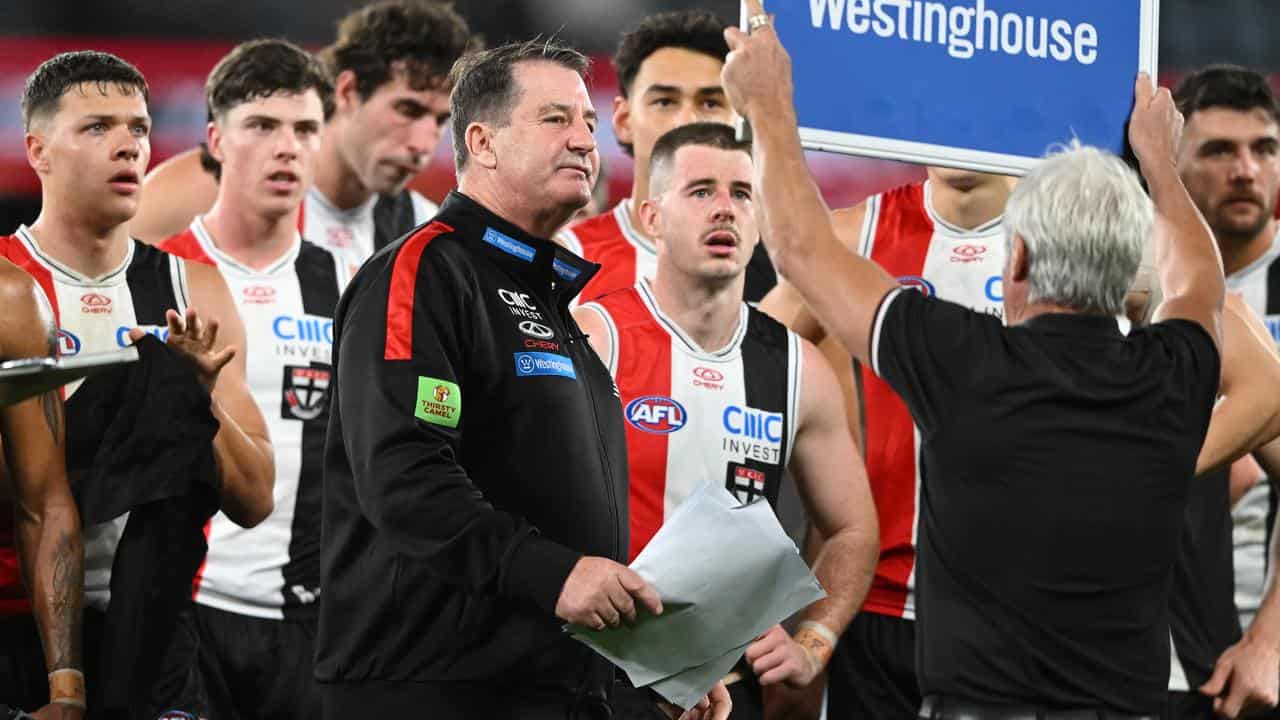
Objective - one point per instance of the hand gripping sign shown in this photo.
(987, 85)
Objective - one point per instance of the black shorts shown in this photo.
(257, 668)
(490, 701)
(1189, 706)
(24, 680)
(872, 673)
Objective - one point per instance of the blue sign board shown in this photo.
(988, 85)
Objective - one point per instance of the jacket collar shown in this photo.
(515, 249)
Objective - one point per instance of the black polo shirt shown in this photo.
(1055, 464)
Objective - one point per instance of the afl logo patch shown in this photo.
(656, 414)
(68, 344)
(915, 282)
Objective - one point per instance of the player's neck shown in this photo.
(970, 208)
(639, 193)
(89, 248)
(707, 312)
(1238, 255)
(336, 181)
(251, 239)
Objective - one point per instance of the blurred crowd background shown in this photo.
(176, 42)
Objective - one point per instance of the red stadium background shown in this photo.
(176, 71)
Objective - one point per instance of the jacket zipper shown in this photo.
(604, 455)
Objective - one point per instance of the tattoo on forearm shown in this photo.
(64, 602)
(51, 404)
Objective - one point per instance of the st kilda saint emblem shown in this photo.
(306, 392)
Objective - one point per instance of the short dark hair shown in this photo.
(696, 30)
(262, 68)
(706, 134)
(420, 37)
(46, 86)
(1228, 86)
(484, 86)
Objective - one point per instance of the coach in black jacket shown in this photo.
(475, 474)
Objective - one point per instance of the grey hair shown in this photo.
(1085, 219)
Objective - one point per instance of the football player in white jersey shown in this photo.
(255, 594)
(700, 212)
(1229, 160)
(390, 64)
(88, 139)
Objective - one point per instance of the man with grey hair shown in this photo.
(1043, 440)
(475, 494)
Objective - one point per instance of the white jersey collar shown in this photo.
(68, 274)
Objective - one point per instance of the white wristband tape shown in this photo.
(820, 630)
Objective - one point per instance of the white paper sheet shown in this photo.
(726, 573)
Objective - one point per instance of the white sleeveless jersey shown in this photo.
(358, 233)
(273, 570)
(903, 235)
(95, 315)
(694, 416)
(1252, 517)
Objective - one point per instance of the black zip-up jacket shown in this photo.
(475, 452)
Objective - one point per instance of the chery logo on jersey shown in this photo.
(160, 332)
(95, 304)
(657, 414)
(306, 392)
(68, 343)
(341, 237)
(532, 364)
(915, 282)
(519, 304)
(533, 329)
(753, 434)
(968, 253)
(709, 378)
(259, 295)
(541, 345)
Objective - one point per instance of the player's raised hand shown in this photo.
(757, 71)
(1155, 126)
(193, 338)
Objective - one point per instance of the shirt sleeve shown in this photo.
(402, 365)
(1197, 368)
(926, 349)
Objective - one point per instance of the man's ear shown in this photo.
(37, 157)
(346, 92)
(622, 120)
(650, 214)
(213, 138)
(1020, 260)
(481, 147)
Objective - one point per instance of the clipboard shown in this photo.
(28, 377)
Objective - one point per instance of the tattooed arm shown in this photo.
(47, 522)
